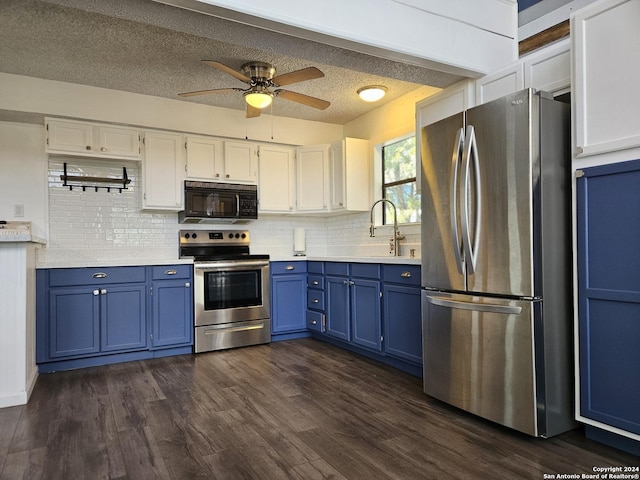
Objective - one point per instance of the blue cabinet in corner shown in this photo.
(288, 299)
(94, 316)
(608, 226)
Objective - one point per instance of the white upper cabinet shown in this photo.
(549, 69)
(240, 162)
(605, 53)
(204, 156)
(276, 187)
(163, 171)
(350, 175)
(92, 140)
(503, 82)
(312, 179)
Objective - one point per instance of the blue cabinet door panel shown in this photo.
(337, 305)
(288, 303)
(74, 314)
(365, 312)
(608, 229)
(172, 307)
(123, 318)
(403, 322)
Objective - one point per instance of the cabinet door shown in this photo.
(277, 179)
(605, 38)
(172, 311)
(204, 158)
(402, 322)
(288, 303)
(337, 176)
(74, 321)
(365, 313)
(69, 137)
(549, 69)
(240, 162)
(338, 319)
(121, 142)
(608, 226)
(312, 179)
(163, 168)
(122, 317)
(499, 84)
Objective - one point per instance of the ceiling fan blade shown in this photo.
(223, 68)
(303, 99)
(252, 112)
(215, 90)
(308, 73)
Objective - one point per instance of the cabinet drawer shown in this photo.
(169, 272)
(402, 274)
(315, 299)
(315, 321)
(315, 267)
(278, 268)
(337, 268)
(315, 281)
(59, 277)
(365, 270)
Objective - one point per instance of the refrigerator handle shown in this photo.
(455, 166)
(477, 307)
(469, 160)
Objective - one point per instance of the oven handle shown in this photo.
(233, 265)
(238, 327)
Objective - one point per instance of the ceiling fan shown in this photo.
(260, 78)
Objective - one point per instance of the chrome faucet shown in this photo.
(396, 234)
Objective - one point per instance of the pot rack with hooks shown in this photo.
(83, 180)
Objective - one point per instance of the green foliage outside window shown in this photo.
(399, 181)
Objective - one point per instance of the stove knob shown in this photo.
(186, 235)
(231, 235)
(194, 235)
(237, 235)
(244, 235)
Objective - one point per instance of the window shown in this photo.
(399, 181)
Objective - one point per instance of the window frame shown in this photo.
(383, 186)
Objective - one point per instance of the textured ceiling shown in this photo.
(145, 47)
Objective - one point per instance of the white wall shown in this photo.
(24, 174)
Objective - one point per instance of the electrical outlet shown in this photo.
(18, 210)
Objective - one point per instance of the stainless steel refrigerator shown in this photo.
(496, 262)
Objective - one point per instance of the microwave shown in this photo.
(214, 202)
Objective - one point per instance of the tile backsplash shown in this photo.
(93, 228)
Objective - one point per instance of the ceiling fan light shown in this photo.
(372, 93)
(258, 99)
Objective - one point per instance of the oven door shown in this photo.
(231, 291)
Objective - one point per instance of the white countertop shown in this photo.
(354, 259)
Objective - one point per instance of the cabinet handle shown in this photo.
(187, 285)
(103, 291)
(344, 282)
(313, 322)
(227, 175)
(171, 272)
(103, 149)
(217, 175)
(96, 292)
(99, 275)
(88, 147)
(351, 282)
(289, 267)
(406, 274)
(315, 282)
(315, 300)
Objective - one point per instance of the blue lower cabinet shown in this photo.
(365, 313)
(83, 318)
(288, 297)
(403, 322)
(337, 307)
(608, 226)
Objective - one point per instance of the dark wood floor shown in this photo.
(299, 409)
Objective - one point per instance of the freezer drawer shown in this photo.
(479, 356)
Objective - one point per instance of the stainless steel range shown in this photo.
(231, 289)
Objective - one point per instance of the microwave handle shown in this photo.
(237, 204)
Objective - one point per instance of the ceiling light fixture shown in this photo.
(258, 99)
(372, 93)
